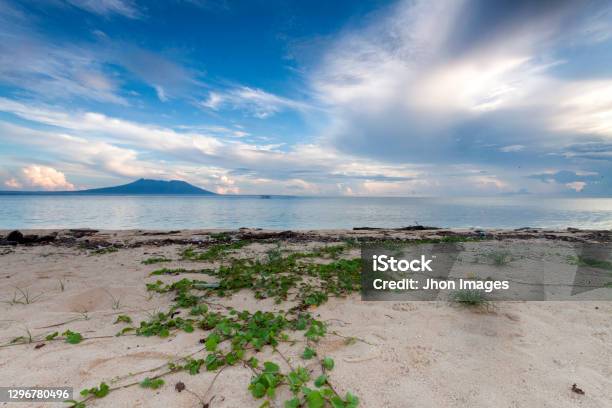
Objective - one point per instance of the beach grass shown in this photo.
(472, 298)
(590, 262)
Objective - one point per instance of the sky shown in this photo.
(363, 98)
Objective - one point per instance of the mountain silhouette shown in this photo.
(138, 187)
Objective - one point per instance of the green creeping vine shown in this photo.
(276, 278)
(212, 253)
(99, 392)
(154, 383)
(155, 260)
(72, 337)
(270, 378)
(235, 337)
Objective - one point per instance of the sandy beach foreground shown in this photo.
(66, 294)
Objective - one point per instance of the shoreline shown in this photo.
(409, 232)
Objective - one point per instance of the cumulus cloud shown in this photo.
(13, 183)
(467, 82)
(588, 182)
(45, 177)
(577, 186)
(129, 149)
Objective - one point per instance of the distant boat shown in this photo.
(265, 196)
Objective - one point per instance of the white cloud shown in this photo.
(213, 101)
(576, 185)
(161, 94)
(257, 102)
(125, 8)
(13, 183)
(99, 144)
(123, 148)
(53, 72)
(240, 133)
(584, 107)
(421, 82)
(46, 177)
(94, 70)
(226, 185)
(511, 148)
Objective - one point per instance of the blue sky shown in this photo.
(375, 98)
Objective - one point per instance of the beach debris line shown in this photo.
(18, 238)
(416, 227)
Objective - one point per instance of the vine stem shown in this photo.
(163, 374)
(335, 333)
(62, 339)
(284, 358)
(213, 383)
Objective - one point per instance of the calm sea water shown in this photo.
(172, 212)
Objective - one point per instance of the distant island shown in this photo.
(138, 187)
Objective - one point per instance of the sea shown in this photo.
(300, 213)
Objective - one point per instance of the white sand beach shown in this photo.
(388, 354)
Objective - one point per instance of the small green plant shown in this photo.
(25, 298)
(100, 391)
(152, 383)
(265, 384)
(72, 337)
(320, 381)
(102, 251)
(308, 353)
(349, 341)
(315, 298)
(213, 252)
(221, 236)
(167, 271)
(115, 301)
(328, 363)
(469, 297)
(349, 401)
(123, 319)
(154, 260)
(51, 336)
(500, 258)
(28, 338)
(125, 330)
(274, 255)
(593, 263)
